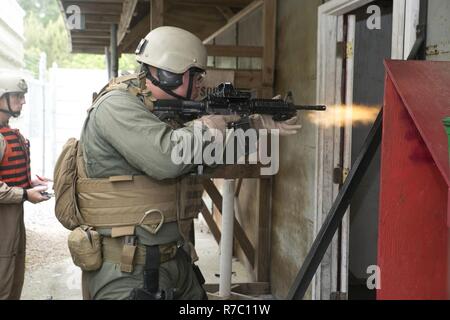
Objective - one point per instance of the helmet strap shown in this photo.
(157, 83)
(9, 111)
(191, 83)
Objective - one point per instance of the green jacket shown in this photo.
(122, 137)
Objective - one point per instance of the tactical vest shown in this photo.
(124, 202)
(15, 164)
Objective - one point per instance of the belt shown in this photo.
(113, 251)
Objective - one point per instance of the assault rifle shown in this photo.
(226, 100)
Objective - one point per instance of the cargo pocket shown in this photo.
(85, 248)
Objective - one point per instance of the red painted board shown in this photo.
(413, 236)
(424, 87)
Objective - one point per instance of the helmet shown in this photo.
(11, 84)
(172, 49)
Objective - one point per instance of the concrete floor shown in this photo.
(50, 273)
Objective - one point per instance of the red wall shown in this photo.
(413, 237)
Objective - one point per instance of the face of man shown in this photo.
(181, 90)
(16, 102)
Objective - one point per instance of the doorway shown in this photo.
(372, 47)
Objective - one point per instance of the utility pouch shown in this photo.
(85, 248)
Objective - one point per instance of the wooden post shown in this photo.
(108, 61)
(269, 38)
(264, 190)
(156, 14)
(114, 52)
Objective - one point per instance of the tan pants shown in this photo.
(12, 251)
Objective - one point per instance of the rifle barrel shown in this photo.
(311, 107)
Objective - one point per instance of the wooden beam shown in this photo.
(210, 222)
(156, 13)
(238, 187)
(233, 171)
(90, 50)
(214, 3)
(90, 34)
(264, 191)
(114, 51)
(251, 288)
(240, 235)
(102, 27)
(201, 27)
(139, 31)
(226, 12)
(88, 41)
(234, 51)
(213, 193)
(128, 8)
(235, 19)
(269, 34)
(96, 1)
(97, 8)
(95, 18)
(248, 79)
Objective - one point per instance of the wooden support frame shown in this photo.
(235, 19)
(128, 8)
(329, 84)
(234, 51)
(138, 31)
(207, 215)
(213, 3)
(253, 288)
(258, 258)
(156, 13)
(226, 12)
(240, 235)
(269, 34)
(262, 267)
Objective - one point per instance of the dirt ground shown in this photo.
(50, 273)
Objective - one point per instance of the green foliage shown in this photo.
(45, 10)
(45, 32)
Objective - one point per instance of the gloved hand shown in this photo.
(286, 128)
(218, 122)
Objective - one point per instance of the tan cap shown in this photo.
(11, 83)
(172, 49)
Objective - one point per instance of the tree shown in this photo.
(45, 32)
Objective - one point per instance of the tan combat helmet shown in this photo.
(11, 83)
(172, 49)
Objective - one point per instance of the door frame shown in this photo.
(328, 140)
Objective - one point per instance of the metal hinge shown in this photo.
(349, 50)
(340, 174)
(344, 49)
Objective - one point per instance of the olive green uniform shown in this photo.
(122, 137)
(12, 239)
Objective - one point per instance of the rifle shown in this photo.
(226, 100)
